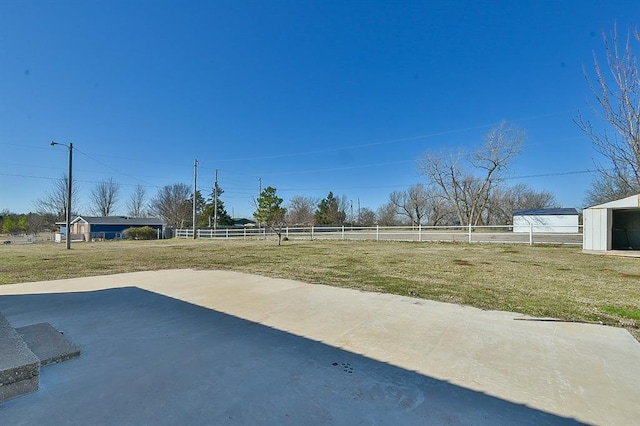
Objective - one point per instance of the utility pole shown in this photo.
(351, 215)
(69, 196)
(258, 200)
(215, 203)
(195, 186)
(69, 183)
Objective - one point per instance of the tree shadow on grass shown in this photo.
(151, 359)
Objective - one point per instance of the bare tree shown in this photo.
(54, 201)
(366, 217)
(104, 197)
(39, 222)
(412, 203)
(136, 206)
(301, 210)
(387, 215)
(440, 212)
(615, 100)
(468, 191)
(504, 201)
(344, 206)
(173, 204)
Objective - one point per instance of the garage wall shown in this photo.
(595, 232)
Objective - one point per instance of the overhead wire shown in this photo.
(317, 152)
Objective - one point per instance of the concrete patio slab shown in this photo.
(208, 347)
(47, 343)
(19, 367)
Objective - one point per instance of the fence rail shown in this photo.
(470, 234)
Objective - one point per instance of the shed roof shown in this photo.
(547, 212)
(120, 220)
(623, 203)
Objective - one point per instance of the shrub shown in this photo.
(141, 233)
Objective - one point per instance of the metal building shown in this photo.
(560, 220)
(612, 226)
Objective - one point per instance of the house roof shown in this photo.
(120, 220)
(243, 221)
(546, 212)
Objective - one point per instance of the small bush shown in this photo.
(141, 233)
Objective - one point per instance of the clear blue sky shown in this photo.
(309, 97)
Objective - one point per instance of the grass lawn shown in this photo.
(559, 282)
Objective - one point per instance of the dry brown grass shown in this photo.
(559, 282)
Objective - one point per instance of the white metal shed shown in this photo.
(612, 226)
(560, 220)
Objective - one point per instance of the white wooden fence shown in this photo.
(468, 234)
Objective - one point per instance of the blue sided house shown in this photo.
(85, 228)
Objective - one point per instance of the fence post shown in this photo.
(244, 233)
(287, 232)
(531, 234)
(377, 232)
(419, 232)
(311, 232)
(343, 232)
(470, 239)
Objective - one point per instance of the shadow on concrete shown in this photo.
(151, 359)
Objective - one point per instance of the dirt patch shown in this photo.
(622, 274)
(462, 262)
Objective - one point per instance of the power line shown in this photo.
(575, 172)
(75, 180)
(338, 149)
(111, 168)
(391, 141)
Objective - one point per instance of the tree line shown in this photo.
(460, 188)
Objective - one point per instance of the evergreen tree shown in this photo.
(329, 212)
(270, 212)
(200, 206)
(223, 218)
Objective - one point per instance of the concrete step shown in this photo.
(47, 343)
(19, 366)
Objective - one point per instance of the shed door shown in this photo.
(625, 233)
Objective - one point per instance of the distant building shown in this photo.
(87, 228)
(612, 226)
(243, 222)
(560, 220)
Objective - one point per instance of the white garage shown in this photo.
(561, 220)
(612, 226)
